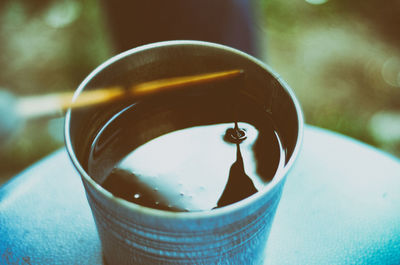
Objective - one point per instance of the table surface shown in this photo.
(340, 205)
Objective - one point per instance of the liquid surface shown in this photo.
(190, 169)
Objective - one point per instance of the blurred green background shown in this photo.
(341, 57)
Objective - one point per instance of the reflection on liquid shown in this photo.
(194, 169)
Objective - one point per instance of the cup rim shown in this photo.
(278, 177)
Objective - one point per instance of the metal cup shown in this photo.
(134, 234)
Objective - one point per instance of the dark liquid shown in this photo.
(160, 162)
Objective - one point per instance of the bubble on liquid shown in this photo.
(155, 189)
(235, 135)
(182, 194)
(169, 205)
(136, 196)
(157, 202)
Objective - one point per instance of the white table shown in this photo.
(340, 205)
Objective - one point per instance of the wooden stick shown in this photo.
(37, 106)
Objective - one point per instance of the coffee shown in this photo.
(176, 157)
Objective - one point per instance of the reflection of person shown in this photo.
(229, 22)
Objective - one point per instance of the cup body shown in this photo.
(234, 234)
